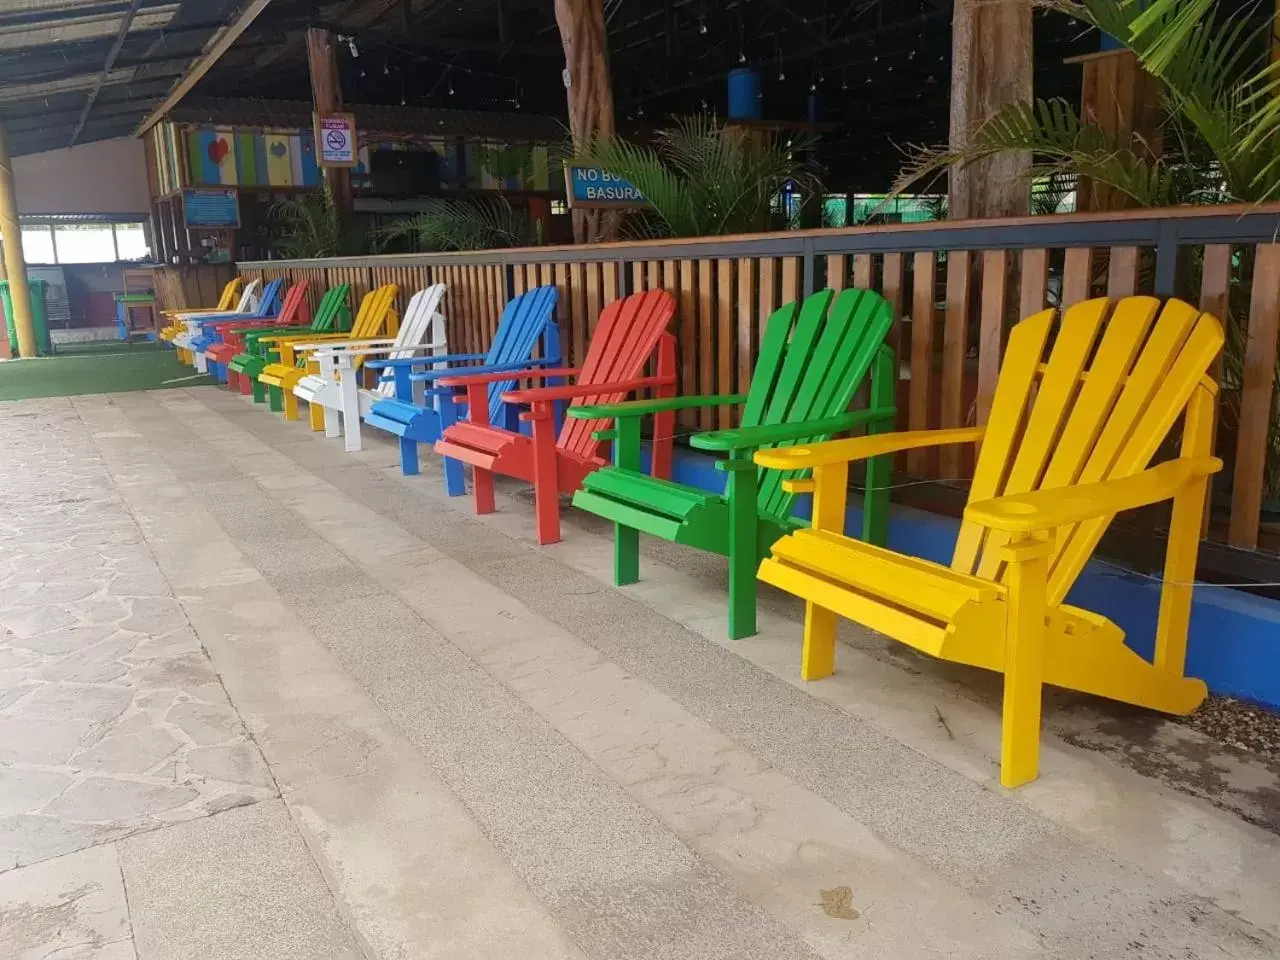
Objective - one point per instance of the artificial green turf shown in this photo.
(112, 367)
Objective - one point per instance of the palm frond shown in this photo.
(703, 177)
(458, 225)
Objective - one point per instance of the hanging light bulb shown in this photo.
(351, 45)
(782, 74)
(702, 25)
(386, 68)
(742, 57)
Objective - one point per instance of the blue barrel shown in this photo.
(744, 94)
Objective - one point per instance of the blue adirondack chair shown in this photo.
(268, 307)
(527, 319)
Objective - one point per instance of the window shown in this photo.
(37, 244)
(82, 240)
(559, 208)
(85, 243)
(131, 242)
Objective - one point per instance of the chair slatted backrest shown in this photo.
(333, 315)
(423, 326)
(1100, 406)
(296, 309)
(621, 346)
(269, 300)
(249, 298)
(523, 321)
(377, 314)
(230, 294)
(813, 357)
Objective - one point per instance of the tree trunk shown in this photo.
(590, 91)
(326, 93)
(990, 68)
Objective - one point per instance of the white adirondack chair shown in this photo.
(249, 302)
(336, 387)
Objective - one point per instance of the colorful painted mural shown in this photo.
(228, 156)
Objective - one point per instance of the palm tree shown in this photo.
(459, 225)
(702, 177)
(311, 227)
(1220, 104)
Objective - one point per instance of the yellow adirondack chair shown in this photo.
(227, 301)
(1066, 448)
(376, 318)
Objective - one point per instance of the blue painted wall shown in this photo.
(1235, 637)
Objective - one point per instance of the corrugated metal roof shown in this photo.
(121, 56)
(373, 120)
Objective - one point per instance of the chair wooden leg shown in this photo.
(1028, 575)
(626, 555)
(482, 483)
(744, 537)
(546, 485)
(818, 658)
(409, 457)
(290, 404)
(259, 391)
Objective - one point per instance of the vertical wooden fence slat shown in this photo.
(573, 347)
(655, 275)
(1035, 278)
(1122, 271)
(955, 342)
(573, 311)
(922, 321)
(768, 293)
(1256, 399)
(790, 279)
(706, 340)
(611, 287)
(688, 348)
(746, 325)
(724, 348)
(836, 271)
(891, 287)
(593, 304)
(1076, 275)
(637, 276)
(1215, 287)
(862, 271)
(995, 288)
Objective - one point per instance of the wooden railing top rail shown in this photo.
(1161, 228)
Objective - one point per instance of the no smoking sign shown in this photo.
(336, 140)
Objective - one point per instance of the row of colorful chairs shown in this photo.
(1081, 406)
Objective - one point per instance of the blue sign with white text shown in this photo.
(593, 187)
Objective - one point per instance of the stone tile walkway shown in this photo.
(263, 699)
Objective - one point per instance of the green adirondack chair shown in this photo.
(813, 357)
(333, 315)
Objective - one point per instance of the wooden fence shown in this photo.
(955, 286)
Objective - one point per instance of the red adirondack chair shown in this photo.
(630, 331)
(294, 311)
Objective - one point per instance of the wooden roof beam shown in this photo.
(212, 54)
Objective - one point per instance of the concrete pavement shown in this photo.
(263, 699)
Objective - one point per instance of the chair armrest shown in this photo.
(508, 371)
(370, 351)
(523, 372)
(419, 361)
(545, 394)
(862, 448)
(640, 408)
(1046, 509)
(744, 438)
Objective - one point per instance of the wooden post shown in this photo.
(1120, 97)
(15, 264)
(990, 68)
(590, 90)
(326, 94)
